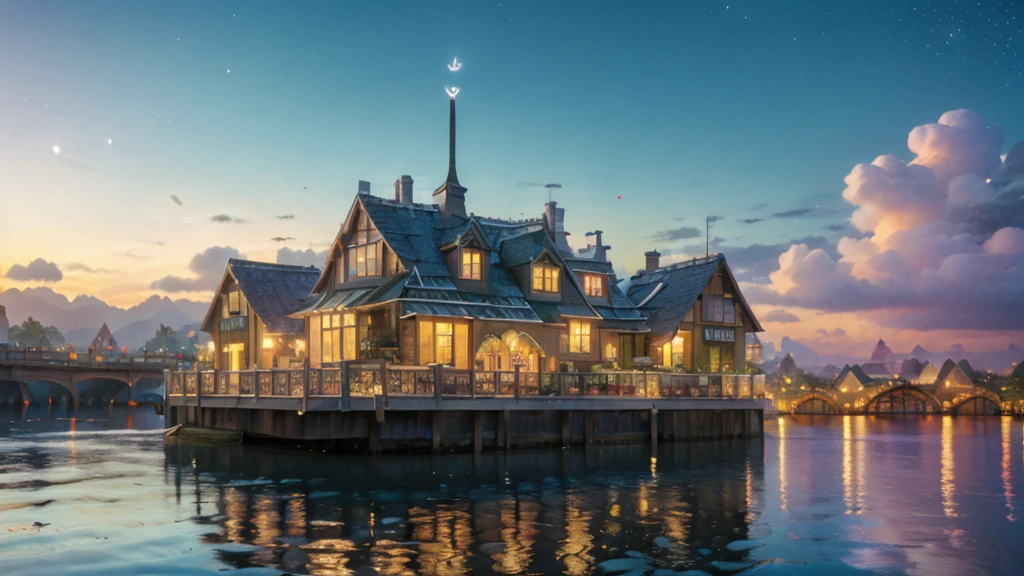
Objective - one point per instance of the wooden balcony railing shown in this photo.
(381, 379)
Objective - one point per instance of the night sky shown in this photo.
(192, 131)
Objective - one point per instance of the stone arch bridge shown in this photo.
(68, 376)
(896, 399)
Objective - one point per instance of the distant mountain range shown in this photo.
(80, 319)
(995, 360)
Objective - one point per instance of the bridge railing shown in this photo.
(23, 356)
(382, 379)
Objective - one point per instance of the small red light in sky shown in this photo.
(620, 197)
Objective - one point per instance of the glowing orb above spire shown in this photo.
(452, 92)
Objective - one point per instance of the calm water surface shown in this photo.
(104, 494)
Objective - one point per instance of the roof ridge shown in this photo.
(271, 265)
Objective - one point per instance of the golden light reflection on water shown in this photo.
(266, 521)
(73, 450)
(546, 527)
(574, 553)
(783, 496)
(448, 552)
(947, 476)
(236, 509)
(518, 532)
(853, 465)
(1007, 462)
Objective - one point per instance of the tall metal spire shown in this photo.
(453, 176)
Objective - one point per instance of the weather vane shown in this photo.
(454, 67)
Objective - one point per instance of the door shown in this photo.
(236, 356)
(626, 350)
(714, 359)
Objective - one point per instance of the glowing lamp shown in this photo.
(210, 347)
(300, 345)
(268, 342)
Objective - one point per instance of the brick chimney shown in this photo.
(596, 251)
(406, 192)
(554, 222)
(653, 261)
(364, 187)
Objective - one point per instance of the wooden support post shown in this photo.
(373, 429)
(515, 390)
(654, 431)
(478, 432)
(472, 383)
(505, 424)
(566, 428)
(199, 389)
(255, 382)
(346, 392)
(437, 382)
(437, 430)
(305, 384)
(167, 399)
(590, 428)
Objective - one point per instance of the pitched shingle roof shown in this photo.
(857, 372)
(668, 293)
(274, 291)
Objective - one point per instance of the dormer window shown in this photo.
(593, 285)
(545, 277)
(236, 304)
(472, 264)
(364, 260)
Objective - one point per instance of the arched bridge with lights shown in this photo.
(896, 398)
(76, 378)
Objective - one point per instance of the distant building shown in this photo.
(248, 318)
(911, 368)
(851, 379)
(878, 370)
(949, 376)
(884, 355)
(103, 341)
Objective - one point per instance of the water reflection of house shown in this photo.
(248, 318)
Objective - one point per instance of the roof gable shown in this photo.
(273, 291)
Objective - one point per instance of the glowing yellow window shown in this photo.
(472, 264)
(545, 278)
(579, 337)
(592, 285)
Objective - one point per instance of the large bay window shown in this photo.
(593, 285)
(472, 264)
(545, 277)
(719, 309)
(337, 337)
(444, 342)
(579, 337)
(365, 260)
